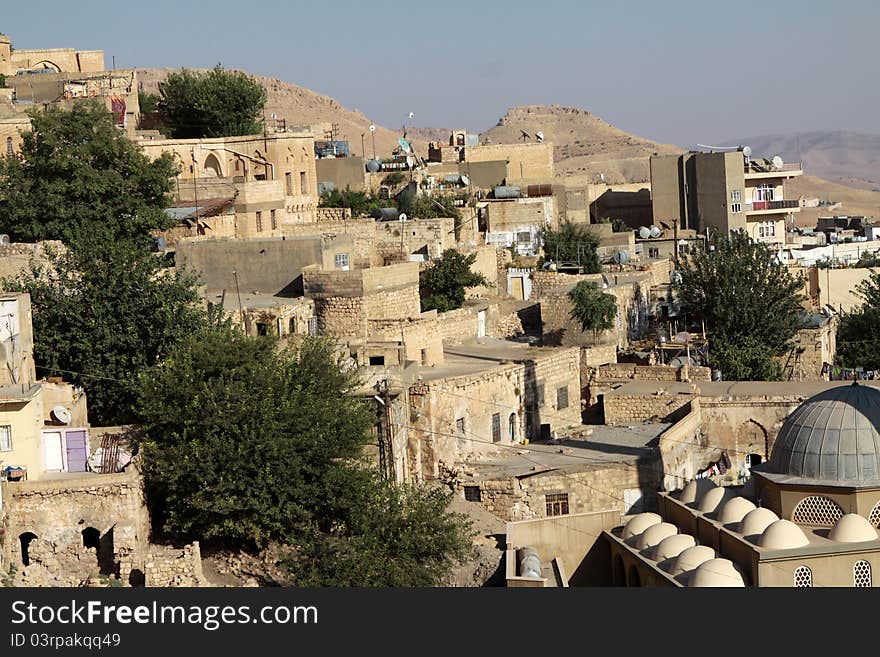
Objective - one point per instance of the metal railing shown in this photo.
(772, 205)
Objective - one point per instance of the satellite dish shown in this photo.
(411, 115)
(404, 144)
(747, 151)
(410, 161)
(654, 231)
(524, 134)
(62, 415)
(402, 217)
(373, 166)
(540, 136)
(4, 239)
(644, 232)
(777, 162)
(372, 128)
(274, 116)
(465, 180)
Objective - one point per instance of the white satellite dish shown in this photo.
(402, 217)
(747, 151)
(274, 116)
(410, 161)
(465, 180)
(644, 232)
(777, 163)
(372, 128)
(540, 136)
(411, 115)
(61, 414)
(4, 239)
(654, 231)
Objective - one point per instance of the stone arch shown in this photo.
(212, 166)
(817, 510)
(632, 577)
(46, 64)
(26, 538)
(752, 436)
(91, 538)
(618, 571)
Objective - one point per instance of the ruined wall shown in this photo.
(332, 215)
(15, 258)
(168, 566)
(633, 372)
(634, 409)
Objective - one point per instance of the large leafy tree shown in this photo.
(593, 309)
(442, 284)
(572, 243)
(749, 301)
(104, 310)
(858, 336)
(216, 103)
(76, 170)
(244, 444)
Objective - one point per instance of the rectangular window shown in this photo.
(424, 357)
(272, 219)
(540, 395)
(377, 361)
(259, 222)
(459, 426)
(735, 195)
(472, 494)
(653, 252)
(303, 185)
(5, 438)
(288, 183)
(341, 261)
(524, 238)
(736, 207)
(313, 326)
(562, 397)
(557, 504)
(496, 427)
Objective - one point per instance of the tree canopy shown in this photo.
(572, 243)
(244, 444)
(217, 103)
(749, 301)
(442, 283)
(858, 335)
(360, 203)
(77, 170)
(593, 309)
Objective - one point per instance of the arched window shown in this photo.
(803, 577)
(874, 516)
(817, 511)
(511, 427)
(632, 578)
(862, 575)
(25, 540)
(91, 538)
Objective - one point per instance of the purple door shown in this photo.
(77, 452)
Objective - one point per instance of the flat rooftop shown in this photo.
(723, 389)
(600, 446)
(483, 354)
(251, 300)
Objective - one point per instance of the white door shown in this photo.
(53, 451)
(481, 324)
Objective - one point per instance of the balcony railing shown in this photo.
(772, 205)
(762, 166)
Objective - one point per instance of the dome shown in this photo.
(783, 535)
(654, 534)
(734, 510)
(714, 498)
(672, 546)
(691, 558)
(695, 489)
(639, 523)
(716, 573)
(832, 436)
(756, 521)
(852, 528)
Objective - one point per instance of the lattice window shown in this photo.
(874, 517)
(817, 511)
(862, 575)
(557, 504)
(803, 577)
(473, 494)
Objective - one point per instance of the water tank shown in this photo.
(373, 166)
(529, 563)
(385, 214)
(654, 231)
(539, 190)
(644, 232)
(507, 191)
(621, 257)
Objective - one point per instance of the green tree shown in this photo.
(149, 103)
(593, 309)
(858, 334)
(76, 170)
(103, 311)
(244, 444)
(617, 225)
(748, 300)
(572, 243)
(442, 283)
(217, 103)
(360, 203)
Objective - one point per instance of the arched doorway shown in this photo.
(47, 65)
(25, 539)
(91, 538)
(511, 427)
(212, 167)
(632, 578)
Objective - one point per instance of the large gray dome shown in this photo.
(832, 436)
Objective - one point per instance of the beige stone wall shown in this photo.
(513, 214)
(166, 566)
(634, 409)
(62, 59)
(631, 371)
(527, 163)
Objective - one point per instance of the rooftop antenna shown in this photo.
(524, 135)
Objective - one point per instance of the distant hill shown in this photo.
(848, 157)
(584, 144)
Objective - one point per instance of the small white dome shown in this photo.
(639, 523)
(734, 510)
(756, 521)
(714, 498)
(783, 535)
(691, 558)
(672, 546)
(852, 528)
(716, 573)
(654, 534)
(695, 489)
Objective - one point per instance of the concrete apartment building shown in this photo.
(723, 192)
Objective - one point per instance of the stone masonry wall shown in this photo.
(167, 566)
(634, 409)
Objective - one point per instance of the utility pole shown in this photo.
(386, 436)
(238, 292)
(195, 186)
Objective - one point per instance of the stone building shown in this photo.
(66, 60)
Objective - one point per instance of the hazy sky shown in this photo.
(674, 71)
